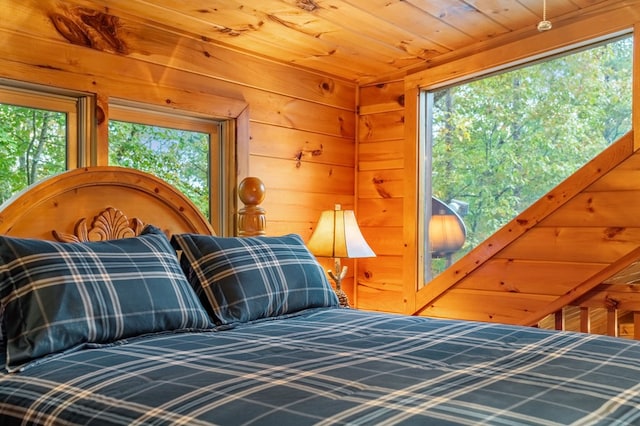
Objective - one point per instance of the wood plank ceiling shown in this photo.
(358, 40)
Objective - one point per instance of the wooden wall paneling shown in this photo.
(381, 155)
(150, 43)
(186, 71)
(623, 178)
(101, 142)
(381, 97)
(300, 114)
(296, 211)
(597, 209)
(311, 177)
(380, 286)
(582, 288)
(380, 212)
(366, 29)
(380, 273)
(286, 182)
(381, 300)
(302, 146)
(385, 241)
(618, 243)
(478, 305)
(304, 206)
(380, 190)
(92, 71)
(573, 244)
(283, 110)
(381, 126)
(528, 276)
(296, 28)
(381, 184)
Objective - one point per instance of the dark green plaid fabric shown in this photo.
(244, 279)
(333, 367)
(59, 296)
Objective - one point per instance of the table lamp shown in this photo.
(337, 235)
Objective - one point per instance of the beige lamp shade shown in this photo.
(446, 234)
(337, 235)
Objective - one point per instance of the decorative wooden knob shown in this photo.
(251, 218)
(251, 191)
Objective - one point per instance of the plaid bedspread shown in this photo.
(337, 366)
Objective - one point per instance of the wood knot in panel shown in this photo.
(307, 5)
(611, 303)
(90, 28)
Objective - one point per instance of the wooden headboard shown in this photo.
(88, 202)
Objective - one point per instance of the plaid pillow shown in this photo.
(60, 296)
(244, 279)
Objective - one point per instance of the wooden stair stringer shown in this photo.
(555, 199)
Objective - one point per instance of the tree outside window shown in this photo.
(499, 143)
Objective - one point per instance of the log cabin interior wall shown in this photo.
(314, 139)
(496, 281)
(296, 127)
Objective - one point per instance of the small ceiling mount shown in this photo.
(544, 25)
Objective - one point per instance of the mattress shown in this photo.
(328, 366)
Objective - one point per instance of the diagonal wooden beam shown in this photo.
(549, 203)
(583, 287)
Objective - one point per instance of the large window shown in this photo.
(42, 133)
(45, 131)
(179, 149)
(497, 144)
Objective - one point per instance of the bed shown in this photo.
(120, 307)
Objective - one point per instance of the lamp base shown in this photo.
(342, 298)
(337, 278)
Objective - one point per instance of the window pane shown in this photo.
(33, 146)
(180, 157)
(500, 143)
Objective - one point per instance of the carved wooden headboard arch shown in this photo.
(60, 202)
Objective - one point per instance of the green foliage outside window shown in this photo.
(179, 157)
(32, 146)
(502, 142)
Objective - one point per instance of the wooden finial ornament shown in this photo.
(251, 218)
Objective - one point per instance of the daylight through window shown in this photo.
(39, 136)
(178, 149)
(497, 144)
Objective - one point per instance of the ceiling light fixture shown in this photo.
(544, 25)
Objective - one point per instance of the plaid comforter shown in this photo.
(336, 366)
